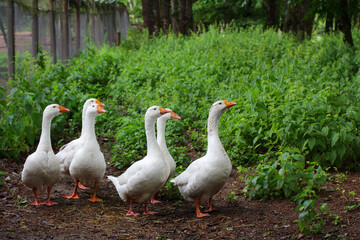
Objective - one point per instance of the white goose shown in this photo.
(171, 165)
(67, 152)
(145, 177)
(42, 168)
(205, 176)
(88, 164)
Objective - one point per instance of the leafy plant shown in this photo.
(289, 177)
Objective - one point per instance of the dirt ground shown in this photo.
(175, 219)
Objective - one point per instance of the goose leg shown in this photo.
(153, 200)
(36, 202)
(131, 212)
(74, 194)
(94, 198)
(209, 208)
(147, 210)
(198, 212)
(48, 202)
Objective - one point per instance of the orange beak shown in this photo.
(100, 109)
(174, 115)
(163, 110)
(229, 104)
(100, 103)
(63, 109)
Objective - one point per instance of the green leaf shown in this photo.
(28, 108)
(325, 131)
(334, 138)
(312, 142)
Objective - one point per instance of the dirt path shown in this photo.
(240, 219)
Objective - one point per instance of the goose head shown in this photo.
(156, 111)
(93, 101)
(95, 110)
(221, 106)
(170, 115)
(54, 110)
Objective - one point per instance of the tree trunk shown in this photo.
(272, 14)
(182, 17)
(174, 20)
(345, 23)
(157, 20)
(148, 15)
(298, 20)
(165, 13)
(329, 22)
(34, 28)
(189, 20)
(11, 38)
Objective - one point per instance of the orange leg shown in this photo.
(48, 202)
(198, 212)
(131, 212)
(81, 186)
(147, 210)
(209, 208)
(154, 201)
(36, 202)
(94, 198)
(74, 194)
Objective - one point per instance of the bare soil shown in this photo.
(175, 219)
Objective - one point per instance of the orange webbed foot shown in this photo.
(132, 213)
(210, 209)
(200, 215)
(83, 187)
(72, 196)
(154, 201)
(49, 203)
(36, 203)
(149, 212)
(95, 199)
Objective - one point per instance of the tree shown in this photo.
(299, 18)
(344, 21)
(272, 14)
(339, 11)
(148, 15)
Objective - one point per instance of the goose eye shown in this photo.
(154, 109)
(219, 103)
(54, 106)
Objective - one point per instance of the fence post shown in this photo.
(65, 34)
(118, 38)
(77, 27)
(34, 28)
(52, 31)
(11, 38)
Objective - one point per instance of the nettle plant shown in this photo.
(291, 177)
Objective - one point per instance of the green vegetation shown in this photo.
(297, 113)
(290, 95)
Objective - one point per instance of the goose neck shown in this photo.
(89, 130)
(161, 124)
(214, 142)
(152, 144)
(45, 139)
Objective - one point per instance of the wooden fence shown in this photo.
(61, 27)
